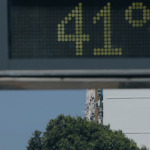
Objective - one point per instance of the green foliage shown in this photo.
(144, 148)
(70, 133)
(35, 142)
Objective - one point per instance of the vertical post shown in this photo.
(96, 109)
(101, 105)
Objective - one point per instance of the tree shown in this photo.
(144, 147)
(35, 142)
(76, 133)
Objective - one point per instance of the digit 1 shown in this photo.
(107, 50)
(78, 37)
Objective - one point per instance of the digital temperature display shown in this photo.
(75, 29)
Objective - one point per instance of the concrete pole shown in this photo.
(96, 109)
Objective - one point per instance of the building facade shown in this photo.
(94, 105)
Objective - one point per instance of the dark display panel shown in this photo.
(77, 29)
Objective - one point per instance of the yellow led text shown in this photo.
(107, 50)
(137, 23)
(78, 37)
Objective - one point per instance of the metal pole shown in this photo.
(100, 105)
(96, 109)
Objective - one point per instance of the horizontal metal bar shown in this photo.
(128, 98)
(41, 83)
(56, 73)
(33, 79)
(71, 79)
(138, 133)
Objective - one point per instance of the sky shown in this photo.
(22, 112)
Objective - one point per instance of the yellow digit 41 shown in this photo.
(107, 50)
(78, 37)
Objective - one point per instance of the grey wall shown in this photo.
(129, 111)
